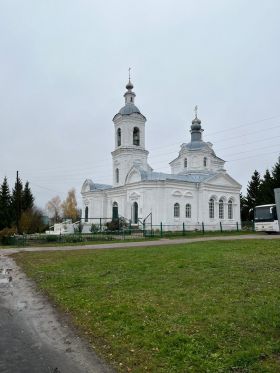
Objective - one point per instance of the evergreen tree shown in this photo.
(5, 205)
(266, 189)
(16, 209)
(276, 174)
(244, 209)
(253, 190)
(27, 198)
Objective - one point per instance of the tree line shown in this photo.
(260, 190)
(18, 212)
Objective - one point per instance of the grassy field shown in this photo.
(203, 307)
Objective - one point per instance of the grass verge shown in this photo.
(203, 307)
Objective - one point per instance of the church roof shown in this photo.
(129, 108)
(100, 186)
(191, 177)
(197, 145)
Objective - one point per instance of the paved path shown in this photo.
(34, 338)
(144, 243)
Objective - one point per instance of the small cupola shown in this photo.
(129, 95)
(196, 130)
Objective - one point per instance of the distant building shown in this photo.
(197, 190)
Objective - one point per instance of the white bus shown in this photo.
(265, 218)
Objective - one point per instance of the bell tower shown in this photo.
(129, 139)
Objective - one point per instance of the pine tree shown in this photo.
(253, 190)
(244, 209)
(16, 208)
(5, 205)
(266, 189)
(27, 198)
(276, 174)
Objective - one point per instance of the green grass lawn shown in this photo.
(203, 307)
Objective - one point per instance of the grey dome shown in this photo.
(129, 85)
(198, 145)
(129, 108)
(196, 124)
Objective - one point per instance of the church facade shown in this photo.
(197, 190)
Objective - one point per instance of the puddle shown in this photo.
(21, 305)
(4, 280)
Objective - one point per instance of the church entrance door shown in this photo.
(135, 213)
(115, 214)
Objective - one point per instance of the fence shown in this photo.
(127, 232)
(164, 230)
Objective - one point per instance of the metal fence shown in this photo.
(126, 232)
(164, 230)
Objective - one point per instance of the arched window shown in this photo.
(188, 210)
(204, 161)
(211, 208)
(119, 137)
(86, 214)
(221, 209)
(230, 209)
(136, 136)
(115, 213)
(176, 210)
(117, 175)
(185, 163)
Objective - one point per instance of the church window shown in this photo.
(136, 136)
(204, 161)
(131, 99)
(119, 137)
(86, 214)
(185, 163)
(211, 208)
(176, 210)
(188, 210)
(117, 175)
(230, 209)
(221, 209)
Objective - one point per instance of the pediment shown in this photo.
(133, 176)
(87, 186)
(188, 194)
(223, 179)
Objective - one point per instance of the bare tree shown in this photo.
(54, 209)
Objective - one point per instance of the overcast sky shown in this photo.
(63, 71)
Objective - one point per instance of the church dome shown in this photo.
(196, 124)
(129, 85)
(129, 108)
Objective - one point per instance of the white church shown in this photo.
(197, 190)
